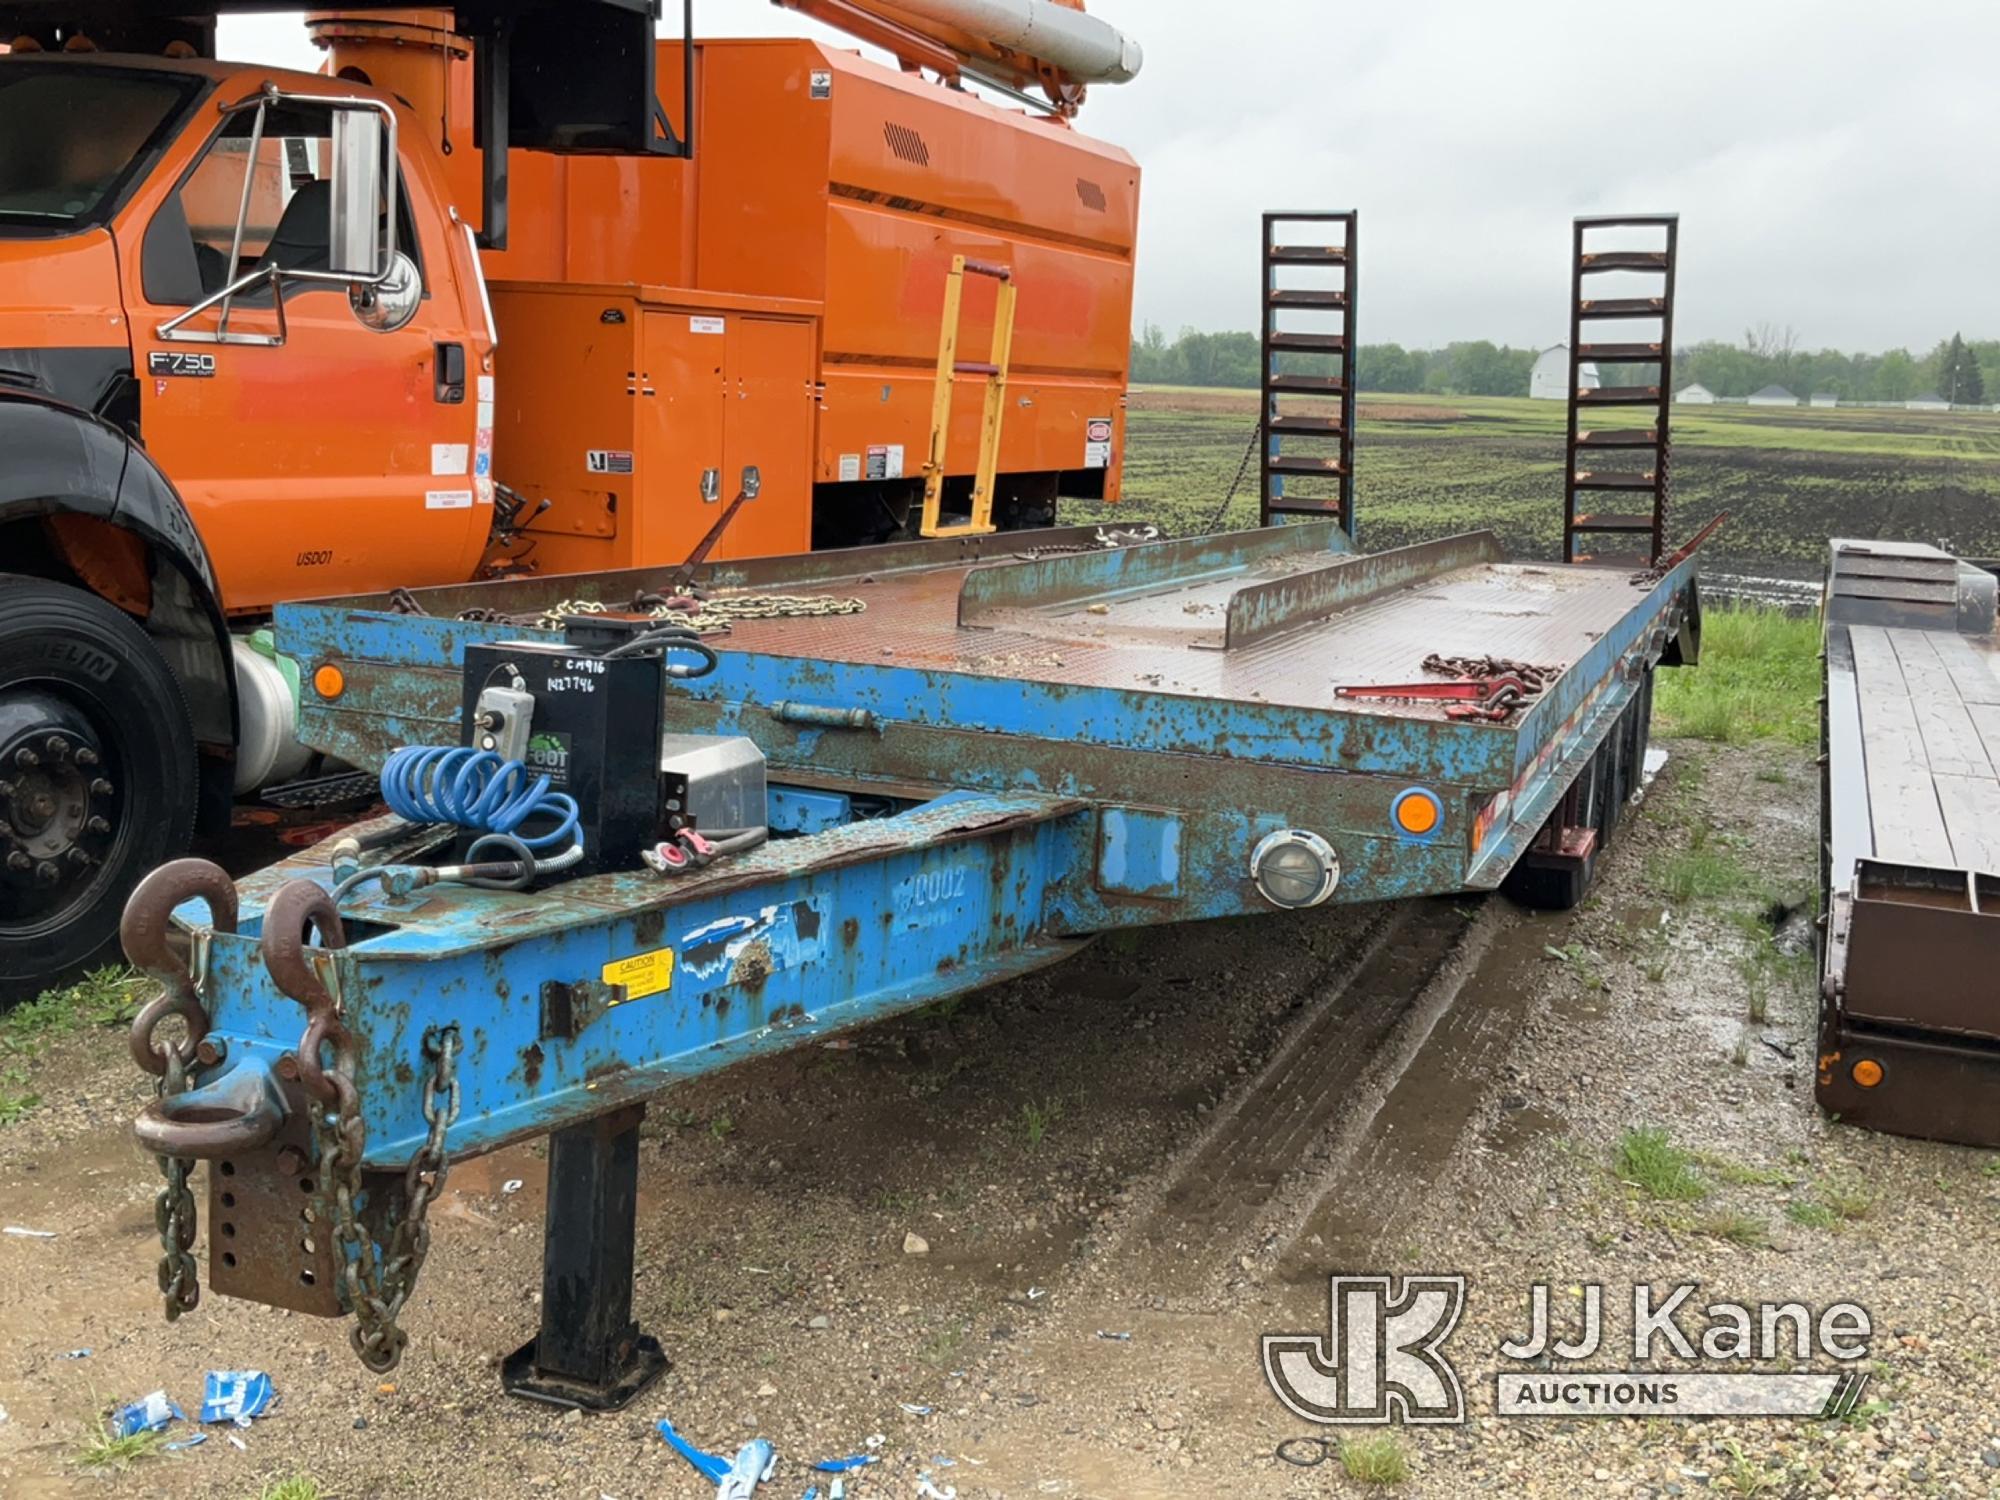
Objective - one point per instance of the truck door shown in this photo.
(318, 455)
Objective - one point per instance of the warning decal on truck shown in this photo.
(1097, 443)
(608, 461)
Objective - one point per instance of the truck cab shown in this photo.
(244, 357)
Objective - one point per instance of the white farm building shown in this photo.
(1549, 380)
(1929, 401)
(1773, 395)
(1696, 394)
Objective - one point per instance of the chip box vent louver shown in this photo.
(907, 144)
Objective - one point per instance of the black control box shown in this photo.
(595, 734)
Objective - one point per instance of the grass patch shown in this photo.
(103, 1450)
(298, 1487)
(1375, 1459)
(1746, 1230)
(1847, 1199)
(940, 1348)
(110, 996)
(1758, 680)
(1808, 1214)
(1037, 1118)
(1649, 1160)
(1707, 870)
(1744, 1475)
(1739, 1174)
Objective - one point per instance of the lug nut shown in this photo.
(57, 747)
(6, 788)
(101, 788)
(85, 756)
(19, 861)
(26, 759)
(98, 825)
(78, 857)
(47, 874)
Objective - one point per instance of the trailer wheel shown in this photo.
(97, 778)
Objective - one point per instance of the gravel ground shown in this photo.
(926, 1233)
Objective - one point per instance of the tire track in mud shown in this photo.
(1247, 1179)
(1409, 1142)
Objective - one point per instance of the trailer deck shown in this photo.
(1910, 1029)
(1015, 743)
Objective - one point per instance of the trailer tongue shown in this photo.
(963, 757)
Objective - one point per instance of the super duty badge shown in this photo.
(164, 362)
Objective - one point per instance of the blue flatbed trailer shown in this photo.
(1016, 743)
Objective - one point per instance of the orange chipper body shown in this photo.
(775, 300)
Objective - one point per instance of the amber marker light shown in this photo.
(329, 681)
(1417, 813)
(1868, 1072)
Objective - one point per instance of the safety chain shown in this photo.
(709, 616)
(378, 1287)
(144, 932)
(174, 1212)
(1535, 679)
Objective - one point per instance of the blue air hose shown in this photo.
(476, 789)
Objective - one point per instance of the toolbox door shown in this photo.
(768, 422)
(681, 397)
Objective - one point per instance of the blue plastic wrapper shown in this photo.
(756, 1462)
(192, 1440)
(711, 1466)
(147, 1414)
(846, 1465)
(236, 1396)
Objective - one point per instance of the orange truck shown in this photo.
(269, 335)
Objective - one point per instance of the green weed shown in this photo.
(1747, 1230)
(1808, 1214)
(1744, 1475)
(298, 1487)
(1650, 1161)
(103, 1449)
(1375, 1459)
(1037, 1117)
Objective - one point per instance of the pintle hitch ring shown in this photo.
(238, 1113)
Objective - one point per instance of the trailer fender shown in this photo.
(62, 462)
(1684, 642)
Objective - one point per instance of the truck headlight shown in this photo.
(1295, 868)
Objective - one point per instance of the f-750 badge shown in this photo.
(164, 362)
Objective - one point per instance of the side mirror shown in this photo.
(361, 245)
(391, 304)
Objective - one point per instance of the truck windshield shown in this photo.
(72, 136)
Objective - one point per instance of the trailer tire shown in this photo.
(97, 778)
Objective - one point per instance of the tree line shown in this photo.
(1960, 370)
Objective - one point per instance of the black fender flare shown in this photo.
(62, 460)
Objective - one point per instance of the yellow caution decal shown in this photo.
(642, 974)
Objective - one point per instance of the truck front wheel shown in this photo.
(97, 778)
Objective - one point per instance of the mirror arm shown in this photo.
(243, 206)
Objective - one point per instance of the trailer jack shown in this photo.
(589, 1352)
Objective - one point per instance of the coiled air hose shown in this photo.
(472, 788)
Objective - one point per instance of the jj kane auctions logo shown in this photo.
(1382, 1358)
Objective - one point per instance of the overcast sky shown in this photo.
(1836, 164)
